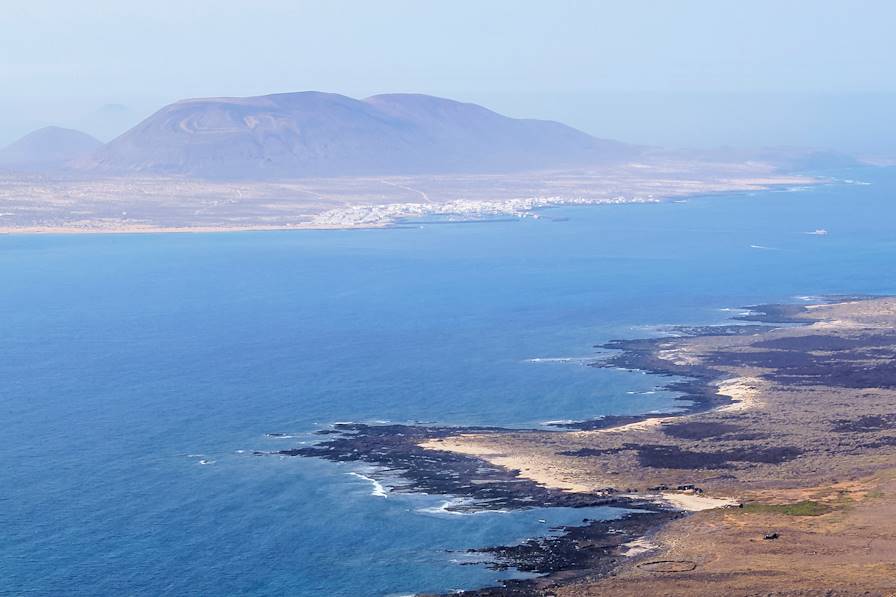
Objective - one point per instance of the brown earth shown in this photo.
(807, 445)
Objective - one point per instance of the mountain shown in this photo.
(325, 134)
(47, 148)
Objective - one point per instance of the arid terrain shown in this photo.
(776, 477)
(792, 481)
(140, 203)
(836, 538)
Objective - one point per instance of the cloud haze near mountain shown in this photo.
(325, 134)
(50, 148)
(686, 73)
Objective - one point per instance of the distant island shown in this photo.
(323, 160)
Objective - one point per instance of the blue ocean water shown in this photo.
(128, 361)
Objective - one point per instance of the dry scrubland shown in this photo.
(807, 445)
(153, 204)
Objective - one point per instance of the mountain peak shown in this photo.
(313, 133)
(48, 147)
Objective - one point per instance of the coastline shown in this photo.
(141, 229)
(162, 205)
(745, 439)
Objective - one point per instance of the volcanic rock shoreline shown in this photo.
(593, 547)
(724, 438)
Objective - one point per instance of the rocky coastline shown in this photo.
(659, 460)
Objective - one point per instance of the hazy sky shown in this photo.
(814, 72)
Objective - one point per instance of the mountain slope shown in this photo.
(322, 134)
(49, 147)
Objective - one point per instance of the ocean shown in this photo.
(139, 373)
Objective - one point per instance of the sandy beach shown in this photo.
(782, 449)
(782, 480)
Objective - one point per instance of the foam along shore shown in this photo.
(799, 460)
(547, 473)
(783, 420)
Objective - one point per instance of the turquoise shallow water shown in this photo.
(127, 360)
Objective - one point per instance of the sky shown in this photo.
(685, 73)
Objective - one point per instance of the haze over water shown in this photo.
(127, 360)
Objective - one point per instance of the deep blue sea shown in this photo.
(139, 372)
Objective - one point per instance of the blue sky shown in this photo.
(676, 73)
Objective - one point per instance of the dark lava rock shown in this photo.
(593, 549)
(673, 457)
(779, 313)
(699, 429)
(396, 449)
(866, 424)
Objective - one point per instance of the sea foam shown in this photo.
(378, 489)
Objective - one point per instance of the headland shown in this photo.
(776, 476)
